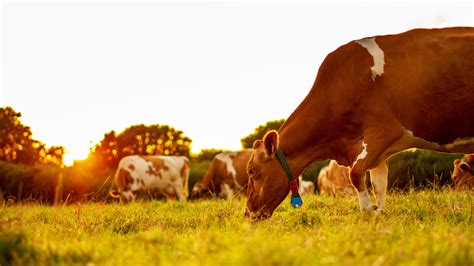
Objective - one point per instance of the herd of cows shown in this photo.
(227, 177)
(372, 98)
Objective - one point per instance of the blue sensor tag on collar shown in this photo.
(296, 200)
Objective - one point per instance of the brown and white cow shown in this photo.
(372, 98)
(463, 173)
(157, 174)
(226, 176)
(306, 187)
(334, 179)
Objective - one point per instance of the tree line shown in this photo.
(31, 170)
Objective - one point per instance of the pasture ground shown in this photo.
(428, 227)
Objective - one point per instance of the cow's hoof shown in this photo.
(373, 210)
(379, 211)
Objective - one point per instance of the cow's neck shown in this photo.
(311, 134)
(299, 138)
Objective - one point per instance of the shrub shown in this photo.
(198, 169)
(421, 168)
(418, 168)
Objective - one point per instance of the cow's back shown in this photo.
(427, 80)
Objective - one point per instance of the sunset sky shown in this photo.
(215, 70)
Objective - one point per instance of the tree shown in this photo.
(142, 140)
(208, 154)
(259, 132)
(17, 144)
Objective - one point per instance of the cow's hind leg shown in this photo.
(378, 178)
(179, 191)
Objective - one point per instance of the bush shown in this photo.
(198, 169)
(29, 182)
(420, 168)
(43, 182)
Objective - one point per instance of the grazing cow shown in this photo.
(334, 179)
(372, 98)
(305, 187)
(166, 175)
(225, 176)
(463, 173)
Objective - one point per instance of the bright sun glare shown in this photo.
(72, 155)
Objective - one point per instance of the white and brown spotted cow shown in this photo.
(371, 99)
(334, 179)
(226, 176)
(167, 175)
(463, 173)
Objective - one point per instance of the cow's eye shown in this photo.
(251, 172)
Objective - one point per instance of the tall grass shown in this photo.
(433, 227)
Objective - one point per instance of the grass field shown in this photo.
(420, 228)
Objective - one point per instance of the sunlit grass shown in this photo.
(422, 228)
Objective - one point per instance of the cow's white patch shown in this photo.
(225, 158)
(226, 191)
(306, 188)
(376, 53)
(362, 154)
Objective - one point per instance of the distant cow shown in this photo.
(225, 177)
(305, 187)
(334, 179)
(157, 174)
(463, 173)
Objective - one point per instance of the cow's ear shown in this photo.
(456, 162)
(257, 144)
(270, 140)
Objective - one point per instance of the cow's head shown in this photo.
(200, 191)
(127, 196)
(124, 196)
(463, 170)
(268, 184)
(126, 184)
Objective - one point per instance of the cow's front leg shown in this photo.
(378, 178)
(377, 145)
(370, 155)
